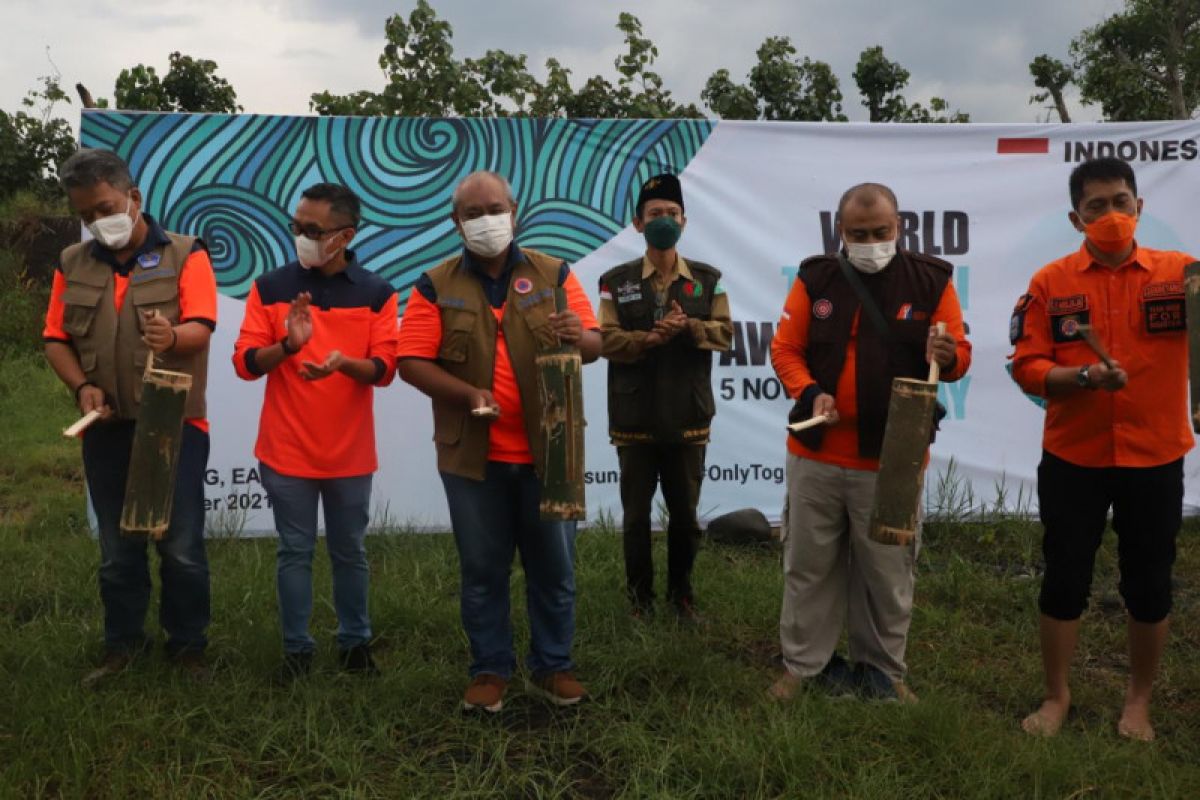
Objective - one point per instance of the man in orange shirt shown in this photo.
(851, 323)
(470, 333)
(1116, 430)
(133, 290)
(323, 331)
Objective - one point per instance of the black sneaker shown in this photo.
(873, 684)
(294, 667)
(358, 660)
(838, 679)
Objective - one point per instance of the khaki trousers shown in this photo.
(833, 572)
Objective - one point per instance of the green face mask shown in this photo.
(662, 233)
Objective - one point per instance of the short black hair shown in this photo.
(867, 192)
(342, 201)
(1099, 169)
(89, 166)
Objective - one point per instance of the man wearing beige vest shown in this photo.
(132, 290)
(470, 332)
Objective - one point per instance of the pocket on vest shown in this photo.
(702, 400)
(447, 427)
(80, 304)
(629, 407)
(158, 295)
(458, 326)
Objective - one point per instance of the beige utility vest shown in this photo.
(109, 342)
(468, 352)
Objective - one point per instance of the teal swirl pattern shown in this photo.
(234, 179)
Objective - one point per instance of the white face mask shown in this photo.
(115, 230)
(870, 258)
(311, 254)
(488, 236)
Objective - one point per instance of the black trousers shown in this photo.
(680, 469)
(1147, 506)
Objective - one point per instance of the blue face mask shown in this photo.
(662, 232)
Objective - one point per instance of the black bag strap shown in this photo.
(868, 302)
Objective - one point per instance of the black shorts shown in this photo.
(1147, 508)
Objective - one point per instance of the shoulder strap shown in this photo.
(868, 302)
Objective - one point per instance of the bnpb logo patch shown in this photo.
(822, 309)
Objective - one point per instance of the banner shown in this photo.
(760, 197)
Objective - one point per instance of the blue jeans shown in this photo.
(347, 511)
(491, 518)
(124, 567)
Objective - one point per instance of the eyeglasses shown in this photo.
(312, 231)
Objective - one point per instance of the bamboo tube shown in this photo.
(150, 487)
(560, 386)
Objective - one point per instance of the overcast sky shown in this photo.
(278, 52)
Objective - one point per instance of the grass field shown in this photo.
(676, 712)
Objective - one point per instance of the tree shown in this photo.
(424, 79)
(880, 82)
(780, 87)
(1142, 63)
(189, 85)
(32, 145)
(1051, 76)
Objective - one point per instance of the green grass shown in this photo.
(675, 713)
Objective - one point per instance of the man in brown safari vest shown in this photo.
(470, 332)
(135, 289)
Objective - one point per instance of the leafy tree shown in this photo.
(780, 87)
(880, 82)
(33, 142)
(424, 79)
(190, 85)
(1051, 76)
(1142, 63)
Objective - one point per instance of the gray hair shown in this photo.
(454, 198)
(89, 166)
(867, 193)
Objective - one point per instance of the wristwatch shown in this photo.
(1082, 379)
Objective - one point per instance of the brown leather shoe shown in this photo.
(193, 664)
(560, 688)
(114, 663)
(486, 691)
(785, 687)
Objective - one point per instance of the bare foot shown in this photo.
(1047, 720)
(1135, 723)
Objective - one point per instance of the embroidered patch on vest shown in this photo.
(148, 260)
(147, 274)
(822, 309)
(693, 289)
(452, 302)
(525, 303)
(907, 312)
(628, 292)
(522, 286)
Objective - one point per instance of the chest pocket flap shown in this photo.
(458, 326)
(80, 303)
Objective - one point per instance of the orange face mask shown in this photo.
(1112, 232)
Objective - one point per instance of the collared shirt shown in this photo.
(1137, 311)
(708, 334)
(323, 428)
(421, 337)
(197, 286)
(788, 348)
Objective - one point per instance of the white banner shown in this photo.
(760, 197)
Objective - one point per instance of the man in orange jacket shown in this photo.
(1116, 429)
